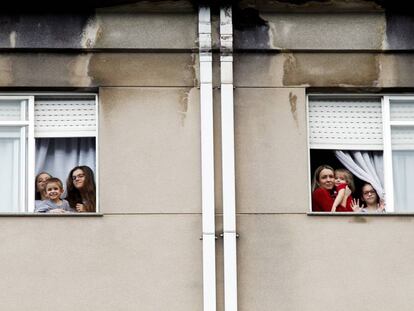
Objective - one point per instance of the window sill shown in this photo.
(358, 214)
(5, 214)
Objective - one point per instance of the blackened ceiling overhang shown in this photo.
(185, 5)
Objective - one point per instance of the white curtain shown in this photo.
(57, 156)
(366, 165)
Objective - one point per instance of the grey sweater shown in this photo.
(47, 205)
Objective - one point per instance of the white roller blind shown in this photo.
(345, 123)
(65, 118)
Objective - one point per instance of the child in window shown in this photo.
(344, 186)
(53, 203)
(371, 202)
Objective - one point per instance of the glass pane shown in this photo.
(13, 110)
(402, 138)
(402, 110)
(10, 169)
(403, 168)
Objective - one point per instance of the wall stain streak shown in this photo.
(251, 31)
(183, 109)
(293, 106)
(6, 71)
(79, 71)
(13, 39)
(91, 32)
(399, 31)
(194, 69)
(331, 70)
(359, 219)
(377, 81)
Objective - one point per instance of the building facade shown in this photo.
(161, 135)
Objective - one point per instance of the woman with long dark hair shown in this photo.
(81, 189)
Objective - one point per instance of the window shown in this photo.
(52, 133)
(371, 136)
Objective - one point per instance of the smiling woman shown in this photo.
(81, 189)
(323, 190)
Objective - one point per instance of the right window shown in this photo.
(372, 137)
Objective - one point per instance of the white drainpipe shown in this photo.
(228, 168)
(207, 160)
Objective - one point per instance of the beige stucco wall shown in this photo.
(114, 262)
(300, 262)
(144, 252)
(150, 150)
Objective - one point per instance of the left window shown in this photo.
(43, 133)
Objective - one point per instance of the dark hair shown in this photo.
(38, 196)
(54, 180)
(315, 181)
(362, 193)
(87, 195)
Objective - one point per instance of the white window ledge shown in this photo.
(349, 214)
(51, 215)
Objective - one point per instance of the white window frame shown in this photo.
(27, 155)
(387, 144)
(27, 198)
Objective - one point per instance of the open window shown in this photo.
(51, 133)
(371, 136)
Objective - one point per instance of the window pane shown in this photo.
(10, 169)
(402, 110)
(403, 168)
(13, 110)
(402, 138)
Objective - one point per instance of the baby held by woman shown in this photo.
(344, 186)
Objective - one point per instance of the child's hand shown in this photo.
(355, 205)
(80, 207)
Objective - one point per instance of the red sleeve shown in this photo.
(340, 187)
(321, 200)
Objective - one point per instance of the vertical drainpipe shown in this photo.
(207, 160)
(227, 138)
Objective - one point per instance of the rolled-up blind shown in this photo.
(345, 123)
(65, 118)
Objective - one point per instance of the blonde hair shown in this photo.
(315, 181)
(349, 178)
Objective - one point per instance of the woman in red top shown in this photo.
(323, 190)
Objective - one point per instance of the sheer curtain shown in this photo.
(57, 156)
(366, 165)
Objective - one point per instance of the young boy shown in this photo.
(53, 203)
